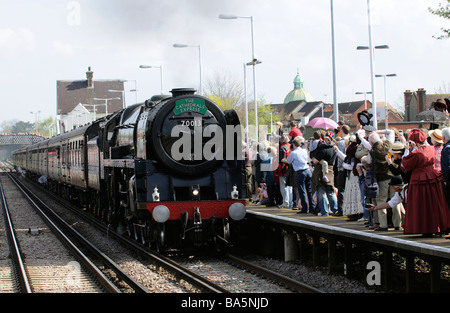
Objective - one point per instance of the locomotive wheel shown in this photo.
(147, 232)
(130, 229)
(142, 235)
(160, 239)
(226, 230)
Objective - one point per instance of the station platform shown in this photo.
(344, 223)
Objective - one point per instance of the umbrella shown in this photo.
(323, 122)
(432, 115)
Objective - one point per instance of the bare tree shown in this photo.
(225, 90)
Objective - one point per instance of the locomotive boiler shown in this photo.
(170, 170)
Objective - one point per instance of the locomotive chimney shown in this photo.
(177, 92)
(90, 76)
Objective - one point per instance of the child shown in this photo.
(261, 197)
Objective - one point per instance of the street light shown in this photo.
(333, 57)
(36, 125)
(372, 76)
(179, 45)
(372, 70)
(385, 98)
(161, 74)
(254, 61)
(365, 93)
(106, 102)
(271, 113)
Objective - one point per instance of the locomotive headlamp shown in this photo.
(237, 211)
(234, 193)
(161, 213)
(155, 194)
(195, 191)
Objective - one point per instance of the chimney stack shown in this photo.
(421, 99)
(408, 97)
(90, 76)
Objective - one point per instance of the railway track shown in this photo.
(265, 273)
(33, 267)
(62, 274)
(151, 259)
(183, 272)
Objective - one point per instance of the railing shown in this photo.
(19, 139)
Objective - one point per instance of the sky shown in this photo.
(42, 41)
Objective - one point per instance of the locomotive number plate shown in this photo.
(194, 122)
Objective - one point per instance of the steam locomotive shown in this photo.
(169, 171)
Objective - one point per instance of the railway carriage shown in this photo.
(169, 170)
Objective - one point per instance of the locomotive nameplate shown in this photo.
(190, 105)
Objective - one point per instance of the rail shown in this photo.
(19, 267)
(56, 223)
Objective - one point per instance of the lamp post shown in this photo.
(271, 113)
(36, 120)
(385, 98)
(179, 45)
(333, 54)
(365, 93)
(245, 97)
(106, 102)
(372, 70)
(161, 74)
(372, 75)
(253, 62)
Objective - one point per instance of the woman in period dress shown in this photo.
(426, 209)
(352, 205)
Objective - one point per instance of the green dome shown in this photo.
(299, 93)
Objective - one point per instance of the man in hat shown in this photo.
(394, 159)
(396, 202)
(377, 158)
(440, 105)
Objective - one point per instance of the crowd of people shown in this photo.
(383, 179)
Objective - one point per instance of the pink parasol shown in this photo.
(323, 122)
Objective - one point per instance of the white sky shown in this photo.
(39, 44)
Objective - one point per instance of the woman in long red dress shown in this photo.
(426, 209)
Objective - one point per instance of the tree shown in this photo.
(228, 93)
(445, 13)
(23, 127)
(225, 90)
(46, 127)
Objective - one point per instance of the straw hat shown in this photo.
(397, 147)
(436, 135)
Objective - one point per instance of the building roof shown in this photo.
(72, 92)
